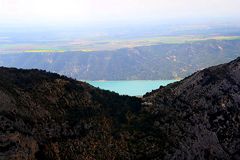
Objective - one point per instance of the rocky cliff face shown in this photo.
(47, 116)
(201, 114)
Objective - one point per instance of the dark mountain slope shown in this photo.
(201, 114)
(45, 116)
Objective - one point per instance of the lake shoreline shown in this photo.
(136, 88)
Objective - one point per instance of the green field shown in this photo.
(89, 45)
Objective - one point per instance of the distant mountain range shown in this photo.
(47, 116)
(163, 61)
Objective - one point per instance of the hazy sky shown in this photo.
(83, 11)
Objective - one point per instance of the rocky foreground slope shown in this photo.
(47, 116)
(200, 115)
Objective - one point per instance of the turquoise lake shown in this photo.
(131, 88)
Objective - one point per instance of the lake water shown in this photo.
(131, 88)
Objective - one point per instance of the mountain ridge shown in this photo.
(163, 61)
(47, 116)
(205, 107)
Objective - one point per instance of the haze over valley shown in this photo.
(155, 62)
(119, 80)
(120, 40)
(153, 50)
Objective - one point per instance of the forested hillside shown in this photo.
(163, 61)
